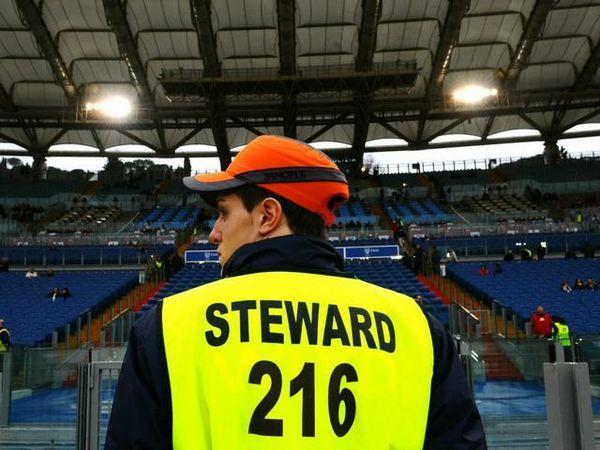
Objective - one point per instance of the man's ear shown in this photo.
(271, 217)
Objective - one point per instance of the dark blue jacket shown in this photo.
(141, 415)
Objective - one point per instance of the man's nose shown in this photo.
(215, 236)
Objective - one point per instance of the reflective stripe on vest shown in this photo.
(563, 334)
(283, 360)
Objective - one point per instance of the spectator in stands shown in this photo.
(590, 284)
(418, 260)
(4, 265)
(55, 292)
(176, 263)
(541, 323)
(395, 230)
(570, 254)
(526, 253)
(483, 270)
(419, 299)
(50, 273)
(509, 256)
(65, 293)
(451, 255)
(578, 285)
(498, 269)
(564, 286)
(588, 250)
(31, 273)
(4, 337)
(540, 251)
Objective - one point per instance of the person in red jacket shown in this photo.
(541, 323)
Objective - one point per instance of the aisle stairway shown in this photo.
(497, 365)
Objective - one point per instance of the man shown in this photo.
(560, 330)
(210, 367)
(541, 323)
(4, 337)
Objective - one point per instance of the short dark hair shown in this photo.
(300, 220)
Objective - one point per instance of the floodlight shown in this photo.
(474, 94)
(115, 107)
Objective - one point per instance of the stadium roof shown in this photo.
(351, 71)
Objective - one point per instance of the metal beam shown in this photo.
(371, 11)
(137, 139)
(98, 141)
(117, 18)
(531, 122)
(188, 136)
(534, 27)
(286, 22)
(247, 126)
(488, 128)
(588, 73)
(32, 15)
(206, 37)
(201, 17)
(55, 139)
(12, 140)
(392, 129)
(448, 39)
(444, 130)
(579, 121)
(342, 152)
(286, 11)
(6, 102)
(327, 127)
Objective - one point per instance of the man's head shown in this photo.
(539, 310)
(1, 323)
(275, 186)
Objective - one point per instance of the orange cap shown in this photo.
(287, 167)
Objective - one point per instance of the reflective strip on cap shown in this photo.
(292, 175)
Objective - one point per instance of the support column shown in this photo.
(39, 168)
(551, 152)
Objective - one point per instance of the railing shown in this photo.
(463, 164)
(94, 239)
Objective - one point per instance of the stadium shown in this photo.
(469, 132)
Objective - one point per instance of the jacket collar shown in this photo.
(292, 252)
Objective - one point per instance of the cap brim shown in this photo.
(209, 185)
(212, 182)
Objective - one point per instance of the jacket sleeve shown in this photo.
(141, 415)
(454, 422)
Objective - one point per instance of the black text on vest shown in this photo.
(364, 328)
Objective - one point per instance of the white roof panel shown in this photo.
(9, 15)
(59, 15)
(575, 50)
(500, 28)
(38, 94)
(153, 14)
(18, 44)
(81, 45)
(247, 43)
(493, 6)
(506, 123)
(569, 22)
(107, 71)
(397, 10)
(319, 12)
(553, 75)
(324, 40)
(486, 56)
(410, 35)
(13, 70)
(169, 44)
(244, 14)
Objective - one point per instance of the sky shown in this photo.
(392, 160)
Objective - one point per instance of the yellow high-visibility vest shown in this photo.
(563, 334)
(3, 347)
(286, 360)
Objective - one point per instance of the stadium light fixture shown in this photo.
(114, 107)
(474, 94)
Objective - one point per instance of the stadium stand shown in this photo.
(500, 244)
(523, 285)
(81, 218)
(355, 213)
(418, 212)
(32, 315)
(82, 255)
(167, 218)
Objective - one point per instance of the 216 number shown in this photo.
(305, 382)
